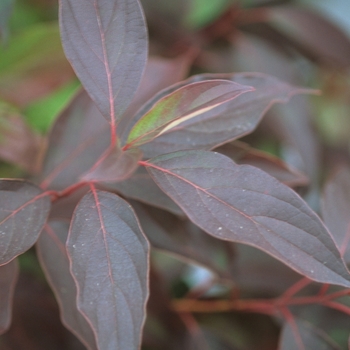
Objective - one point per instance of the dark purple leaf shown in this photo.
(141, 187)
(8, 279)
(182, 105)
(292, 125)
(302, 335)
(63, 207)
(242, 153)
(24, 211)
(179, 236)
(243, 204)
(254, 270)
(52, 254)
(106, 43)
(336, 210)
(18, 143)
(319, 37)
(114, 166)
(109, 262)
(77, 140)
(224, 123)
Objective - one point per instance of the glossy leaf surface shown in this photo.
(183, 104)
(106, 43)
(77, 140)
(109, 261)
(24, 211)
(224, 123)
(243, 204)
(8, 278)
(336, 210)
(52, 254)
(115, 165)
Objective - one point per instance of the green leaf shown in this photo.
(41, 114)
(202, 12)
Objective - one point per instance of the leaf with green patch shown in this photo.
(181, 105)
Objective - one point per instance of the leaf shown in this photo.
(254, 270)
(141, 187)
(18, 143)
(242, 153)
(24, 211)
(159, 74)
(63, 207)
(178, 236)
(116, 165)
(31, 69)
(243, 204)
(293, 127)
(106, 43)
(52, 254)
(303, 336)
(42, 113)
(109, 262)
(318, 36)
(78, 138)
(202, 12)
(224, 123)
(183, 104)
(8, 279)
(336, 209)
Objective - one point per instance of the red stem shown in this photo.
(66, 192)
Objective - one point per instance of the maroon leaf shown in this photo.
(52, 254)
(254, 270)
(63, 207)
(182, 105)
(242, 153)
(106, 43)
(77, 140)
(109, 262)
(177, 236)
(226, 122)
(18, 143)
(24, 211)
(243, 204)
(292, 125)
(116, 165)
(302, 335)
(8, 279)
(319, 37)
(141, 187)
(336, 210)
